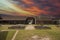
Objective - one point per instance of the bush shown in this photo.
(42, 27)
(16, 27)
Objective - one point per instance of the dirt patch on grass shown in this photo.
(36, 37)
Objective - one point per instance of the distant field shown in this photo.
(53, 33)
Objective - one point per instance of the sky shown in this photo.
(30, 7)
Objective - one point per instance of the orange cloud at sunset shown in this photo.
(35, 10)
(28, 1)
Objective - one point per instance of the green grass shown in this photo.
(54, 33)
(23, 35)
(6, 35)
(3, 28)
(3, 35)
(10, 35)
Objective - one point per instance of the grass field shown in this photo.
(3, 28)
(53, 34)
(23, 35)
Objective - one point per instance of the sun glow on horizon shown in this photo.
(8, 6)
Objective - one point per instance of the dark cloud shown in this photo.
(41, 6)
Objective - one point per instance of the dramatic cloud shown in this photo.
(33, 7)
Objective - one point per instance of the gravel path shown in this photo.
(15, 35)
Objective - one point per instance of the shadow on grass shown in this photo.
(3, 35)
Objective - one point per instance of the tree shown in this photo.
(0, 17)
(0, 20)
